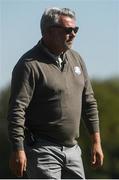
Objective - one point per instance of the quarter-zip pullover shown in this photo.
(50, 101)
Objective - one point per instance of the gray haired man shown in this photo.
(50, 92)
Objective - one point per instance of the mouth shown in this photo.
(69, 41)
(68, 44)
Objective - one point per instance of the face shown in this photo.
(62, 36)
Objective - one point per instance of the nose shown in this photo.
(72, 34)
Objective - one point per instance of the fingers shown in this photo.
(93, 160)
(96, 155)
(97, 160)
(18, 164)
(17, 168)
(20, 169)
(25, 165)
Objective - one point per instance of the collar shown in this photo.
(55, 57)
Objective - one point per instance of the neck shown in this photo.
(53, 49)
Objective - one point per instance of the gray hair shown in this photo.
(51, 17)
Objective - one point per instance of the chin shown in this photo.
(68, 46)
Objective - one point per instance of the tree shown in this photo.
(107, 95)
(4, 143)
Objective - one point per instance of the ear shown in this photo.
(50, 31)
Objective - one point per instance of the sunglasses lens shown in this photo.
(69, 30)
(76, 30)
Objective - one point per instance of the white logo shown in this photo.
(77, 70)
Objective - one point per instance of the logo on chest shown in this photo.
(77, 70)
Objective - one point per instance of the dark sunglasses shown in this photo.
(67, 30)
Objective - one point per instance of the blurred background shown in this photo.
(97, 42)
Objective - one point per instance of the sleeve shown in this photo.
(89, 104)
(22, 88)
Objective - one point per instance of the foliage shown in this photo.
(4, 143)
(107, 95)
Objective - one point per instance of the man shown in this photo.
(50, 90)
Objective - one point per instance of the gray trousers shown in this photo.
(47, 160)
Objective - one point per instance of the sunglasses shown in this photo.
(67, 30)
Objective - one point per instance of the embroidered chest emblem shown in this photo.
(77, 70)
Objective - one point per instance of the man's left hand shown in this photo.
(97, 155)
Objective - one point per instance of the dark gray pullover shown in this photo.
(50, 101)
